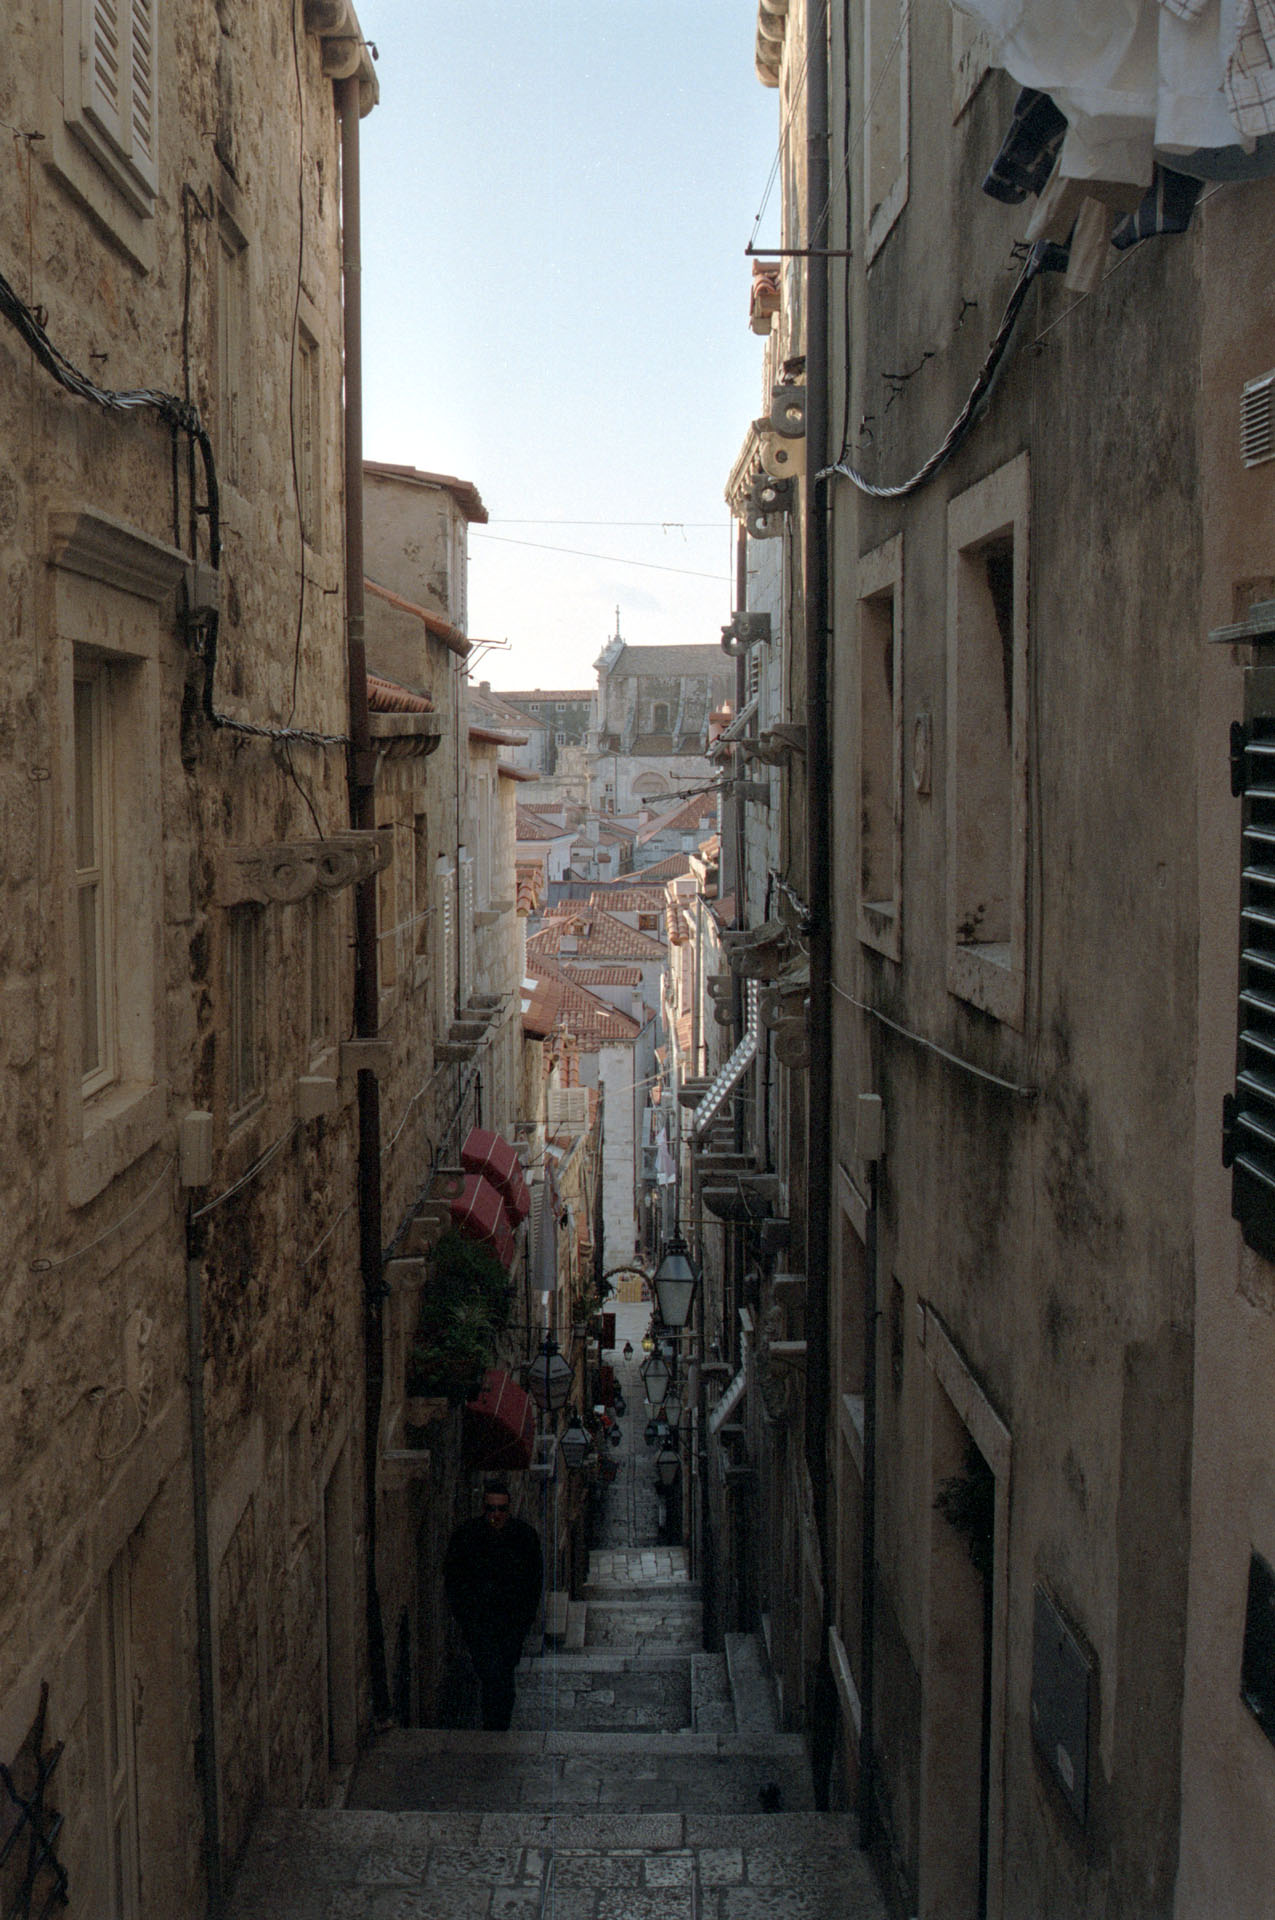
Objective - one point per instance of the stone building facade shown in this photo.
(262, 963)
(997, 1390)
(179, 1119)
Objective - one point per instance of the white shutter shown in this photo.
(108, 63)
(115, 102)
(466, 984)
(143, 84)
(445, 935)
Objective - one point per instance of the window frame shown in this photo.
(245, 1010)
(881, 218)
(233, 305)
(95, 875)
(881, 579)
(989, 975)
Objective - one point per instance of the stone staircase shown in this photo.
(643, 1779)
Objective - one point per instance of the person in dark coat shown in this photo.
(492, 1576)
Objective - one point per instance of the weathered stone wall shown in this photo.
(94, 1373)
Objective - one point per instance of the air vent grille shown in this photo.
(1257, 420)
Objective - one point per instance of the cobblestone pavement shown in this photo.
(644, 1779)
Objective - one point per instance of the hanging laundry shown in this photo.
(1138, 80)
(1029, 150)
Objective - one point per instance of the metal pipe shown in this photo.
(362, 776)
(868, 1587)
(818, 871)
(203, 1577)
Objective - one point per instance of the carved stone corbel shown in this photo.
(285, 873)
(791, 1043)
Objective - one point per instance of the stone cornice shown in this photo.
(110, 551)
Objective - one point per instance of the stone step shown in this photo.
(470, 1865)
(631, 1696)
(420, 1769)
(712, 1710)
(751, 1687)
(640, 1620)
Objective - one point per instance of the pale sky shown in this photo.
(557, 195)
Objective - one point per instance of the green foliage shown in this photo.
(463, 1307)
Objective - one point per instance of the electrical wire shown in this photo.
(961, 427)
(649, 566)
(251, 1173)
(52, 1266)
(932, 1046)
(182, 417)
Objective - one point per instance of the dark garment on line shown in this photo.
(1029, 150)
(1168, 206)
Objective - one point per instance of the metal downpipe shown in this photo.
(823, 1710)
(362, 776)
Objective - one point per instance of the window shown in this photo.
(388, 930)
(884, 115)
(420, 883)
(95, 950)
(987, 742)
(659, 718)
(320, 971)
(112, 597)
(881, 747)
(114, 1739)
(246, 974)
(306, 394)
(232, 310)
(648, 923)
(111, 91)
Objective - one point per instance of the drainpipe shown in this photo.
(203, 1575)
(823, 1711)
(362, 777)
(868, 1580)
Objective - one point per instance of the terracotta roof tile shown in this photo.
(598, 936)
(588, 1021)
(386, 696)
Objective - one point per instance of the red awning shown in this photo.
(492, 1156)
(478, 1211)
(499, 1431)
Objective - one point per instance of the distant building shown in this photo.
(654, 708)
(563, 717)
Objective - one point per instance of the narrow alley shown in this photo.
(644, 1779)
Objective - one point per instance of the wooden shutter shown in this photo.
(1249, 1117)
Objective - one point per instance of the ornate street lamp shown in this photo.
(576, 1442)
(673, 1408)
(657, 1378)
(549, 1378)
(675, 1283)
(667, 1467)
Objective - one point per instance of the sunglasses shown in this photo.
(495, 1506)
